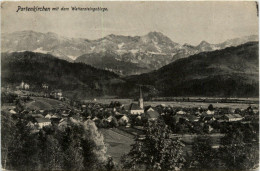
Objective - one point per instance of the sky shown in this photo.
(182, 22)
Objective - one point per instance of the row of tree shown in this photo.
(159, 150)
(78, 147)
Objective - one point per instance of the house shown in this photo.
(109, 119)
(65, 115)
(74, 120)
(37, 115)
(111, 109)
(162, 105)
(210, 112)
(208, 118)
(57, 94)
(45, 86)
(149, 108)
(12, 111)
(83, 107)
(55, 120)
(30, 124)
(22, 85)
(95, 119)
(55, 116)
(33, 127)
(135, 109)
(152, 115)
(42, 122)
(26, 86)
(233, 117)
(176, 118)
(123, 120)
(63, 124)
(138, 117)
(192, 118)
(208, 128)
(48, 116)
(181, 112)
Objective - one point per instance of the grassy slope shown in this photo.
(117, 144)
(39, 103)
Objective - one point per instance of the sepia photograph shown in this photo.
(129, 86)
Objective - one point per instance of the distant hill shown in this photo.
(75, 79)
(110, 61)
(113, 52)
(231, 72)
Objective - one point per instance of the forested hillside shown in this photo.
(37, 68)
(231, 72)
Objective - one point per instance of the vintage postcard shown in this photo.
(113, 85)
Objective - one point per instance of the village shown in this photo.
(123, 124)
(127, 117)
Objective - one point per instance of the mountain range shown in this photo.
(124, 55)
(229, 72)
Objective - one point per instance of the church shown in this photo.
(137, 109)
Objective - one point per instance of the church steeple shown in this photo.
(141, 101)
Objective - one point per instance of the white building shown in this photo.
(45, 86)
(124, 119)
(26, 86)
(233, 117)
(42, 122)
(22, 85)
(137, 109)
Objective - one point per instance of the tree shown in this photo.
(23, 154)
(236, 154)
(157, 151)
(202, 153)
(8, 136)
(51, 155)
(114, 123)
(93, 143)
(19, 105)
(110, 164)
(210, 107)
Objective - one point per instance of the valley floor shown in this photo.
(200, 104)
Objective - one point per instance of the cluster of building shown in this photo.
(56, 94)
(117, 114)
(24, 86)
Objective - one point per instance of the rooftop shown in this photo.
(152, 114)
(134, 106)
(41, 120)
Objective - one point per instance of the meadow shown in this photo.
(193, 102)
(118, 143)
(40, 103)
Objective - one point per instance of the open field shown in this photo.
(118, 143)
(232, 103)
(108, 100)
(40, 103)
(199, 104)
(181, 104)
